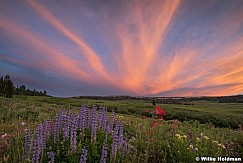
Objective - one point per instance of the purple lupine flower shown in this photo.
(66, 128)
(35, 158)
(104, 120)
(100, 117)
(84, 154)
(50, 156)
(27, 144)
(47, 128)
(59, 122)
(73, 136)
(115, 141)
(111, 122)
(39, 136)
(81, 117)
(88, 118)
(190, 135)
(94, 125)
(104, 154)
(120, 136)
(55, 132)
(125, 147)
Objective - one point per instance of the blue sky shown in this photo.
(138, 47)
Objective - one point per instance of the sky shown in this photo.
(123, 47)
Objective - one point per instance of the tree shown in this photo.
(8, 88)
(154, 102)
(1, 86)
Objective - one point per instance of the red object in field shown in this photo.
(160, 111)
(154, 125)
(160, 117)
(147, 111)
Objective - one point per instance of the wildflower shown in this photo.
(35, 157)
(191, 146)
(160, 111)
(73, 135)
(125, 146)
(147, 111)
(184, 136)
(115, 142)
(195, 149)
(104, 153)
(177, 135)
(22, 123)
(154, 124)
(190, 135)
(4, 135)
(215, 142)
(84, 154)
(197, 140)
(93, 126)
(50, 156)
(205, 137)
(223, 146)
(27, 144)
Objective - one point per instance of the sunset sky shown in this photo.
(123, 47)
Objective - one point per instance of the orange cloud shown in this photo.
(141, 33)
(93, 59)
(54, 60)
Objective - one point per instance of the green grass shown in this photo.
(149, 143)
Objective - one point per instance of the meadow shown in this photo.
(116, 132)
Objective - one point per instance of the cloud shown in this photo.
(136, 47)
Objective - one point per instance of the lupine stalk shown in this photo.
(104, 154)
(125, 147)
(115, 142)
(120, 137)
(104, 120)
(100, 117)
(104, 151)
(73, 136)
(111, 122)
(27, 144)
(50, 156)
(35, 158)
(84, 154)
(94, 125)
(66, 126)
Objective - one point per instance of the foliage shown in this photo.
(171, 140)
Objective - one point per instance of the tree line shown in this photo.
(8, 89)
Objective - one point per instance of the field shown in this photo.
(202, 129)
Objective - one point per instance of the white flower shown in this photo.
(3, 136)
(22, 123)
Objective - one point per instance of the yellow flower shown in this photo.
(177, 135)
(197, 140)
(184, 136)
(191, 146)
(205, 137)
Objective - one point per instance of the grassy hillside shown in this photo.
(169, 140)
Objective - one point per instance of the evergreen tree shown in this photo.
(1, 86)
(8, 87)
